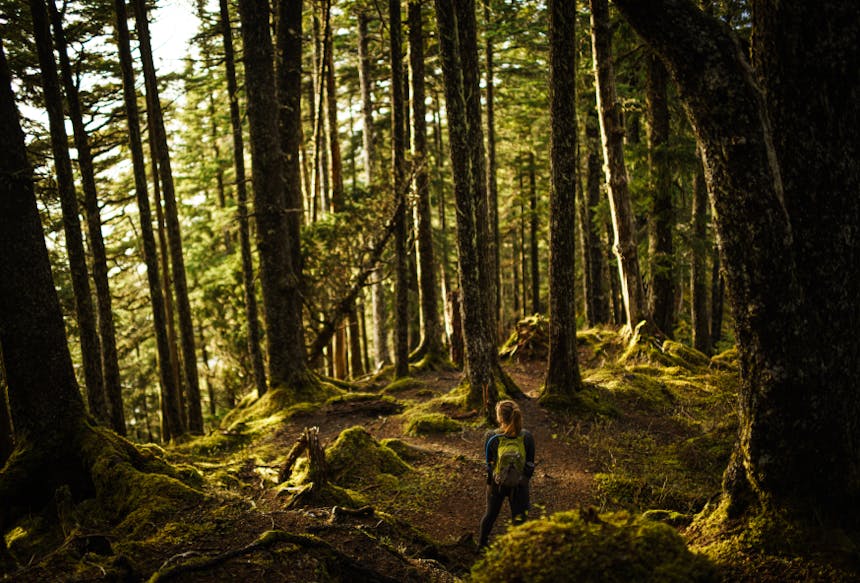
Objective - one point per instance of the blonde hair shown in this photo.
(510, 418)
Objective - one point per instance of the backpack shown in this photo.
(510, 460)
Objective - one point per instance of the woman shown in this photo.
(514, 443)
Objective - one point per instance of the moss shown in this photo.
(564, 547)
(404, 450)
(431, 423)
(356, 457)
(591, 401)
(33, 536)
(669, 517)
(275, 406)
(686, 355)
(726, 360)
(403, 384)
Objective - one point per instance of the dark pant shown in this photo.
(519, 500)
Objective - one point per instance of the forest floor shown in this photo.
(656, 433)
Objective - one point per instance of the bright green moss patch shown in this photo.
(431, 423)
(685, 355)
(275, 406)
(726, 360)
(566, 548)
(669, 517)
(356, 457)
(404, 450)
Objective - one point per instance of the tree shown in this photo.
(171, 214)
(171, 415)
(492, 182)
(612, 133)
(562, 376)
(458, 48)
(90, 348)
(107, 333)
(661, 288)
(431, 332)
(699, 320)
(278, 274)
(782, 175)
(252, 320)
(398, 160)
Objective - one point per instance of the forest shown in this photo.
(274, 274)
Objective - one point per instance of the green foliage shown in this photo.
(565, 547)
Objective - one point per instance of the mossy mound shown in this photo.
(591, 401)
(529, 340)
(726, 360)
(404, 450)
(430, 423)
(565, 547)
(403, 384)
(356, 457)
(258, 415)
(685, 355)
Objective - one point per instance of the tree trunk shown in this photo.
(43, 396)
(612, 133)
(278, 274)
(661, 219)
(524, 273)
(356, 367)
(85, 315)
(562, 376)
(170, 390)
(698, 271)
(492, 184)
(614, 285)
(533, 235)
(401, 298)
(174, 236)
(596, 294)
(459, 52)
(337, 190)
(250, 295)
(377, 290)
(431, 333)
(782, 173)
(107, 333)
(718, 285)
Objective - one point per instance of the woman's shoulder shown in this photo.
(527, 434)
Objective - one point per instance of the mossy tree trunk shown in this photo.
(43, 396)
(278, 273)
(172, 421)
(718, 288)
(84, 312)
(7, 438)
(534, 224)
(612, 133)
(171, 215)
(782, 173)
(699, 320)
(431, 331)
(459, 52)
(492, 183)
(398, 170)
(661, 218)
(107, 333)
(562, 376)
(250, 296)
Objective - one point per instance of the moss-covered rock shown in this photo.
(565, 547)
(685, 355)
(403, 384)
(356, 457)
(406, 451)
(726, 360)
(430, 423)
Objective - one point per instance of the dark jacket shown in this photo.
(492, 454)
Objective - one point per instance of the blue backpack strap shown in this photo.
(487, 447)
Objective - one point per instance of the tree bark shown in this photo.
(250, 295)
(492, 183)
(174, 235)
(718, 285)
(698, 266)
(85, 314)
(431, 332)
(170, 390)
(336, 161)
(612, 133)
(107, 333)
(661, 219)
(533, 235)
(562, 375)
(458, 47)
(7, 436)
(782, 173)
(278, 274)
(401, 298)
(596, 294)
(43, 395)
